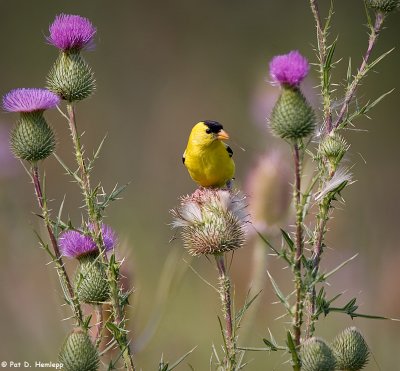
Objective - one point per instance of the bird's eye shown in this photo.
(208, 131)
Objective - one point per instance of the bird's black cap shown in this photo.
(214, 126)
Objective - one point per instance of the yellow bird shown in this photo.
(207, 158)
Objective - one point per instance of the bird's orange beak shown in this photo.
(222, 135)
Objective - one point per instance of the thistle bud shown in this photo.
(212, 221)
(383, 5)
(351, 350)
(71, 77)
(333, 147)
(78, 352)
(32, 139)
(316, 355)
(91, 283)
(292, 117)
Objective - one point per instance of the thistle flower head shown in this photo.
(90, 280)
(292, 117)
(316, 355)
(333, 147)
(350, 350)
(71, 32)
(78, 352)
(109, 236)
(29, 100)
(74, 244)
(289, 69)
(384, 5)
(212, 221)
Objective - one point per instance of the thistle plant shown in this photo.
(92, 243)
(212, 223)
(321, 140)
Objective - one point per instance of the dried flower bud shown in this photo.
(91, 283)
(292, 117)
(71, 77)
(212, 221)
(78, 352)
(384, 5)
(316, 355)
(268, 187)
(351, 350)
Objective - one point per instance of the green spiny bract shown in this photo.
(383, 5)
(78, 353)
(333, 147)
(32, 138)
(292, 117)
(71, 77)
(350, 350)
(91, 280)
(316, 355)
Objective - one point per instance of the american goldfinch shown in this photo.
(207, 158)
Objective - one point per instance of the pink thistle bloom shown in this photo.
(289, 69)
(29, 100)
(74, 244)
(109, 236)
(70, 31)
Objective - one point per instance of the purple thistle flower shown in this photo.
(29, 100)
(109, 236)
(74, 244)
(289, 69)
(70, 31)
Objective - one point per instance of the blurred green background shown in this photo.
(161, 66)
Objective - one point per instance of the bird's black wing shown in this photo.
(183, 158)
(229, 149)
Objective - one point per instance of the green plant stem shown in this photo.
(58, 258)
(375, 30)
(321, 40)
(297, 321)
(225, 293)
(95, 219)
(322, 219)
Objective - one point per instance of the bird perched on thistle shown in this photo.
(207, 158)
